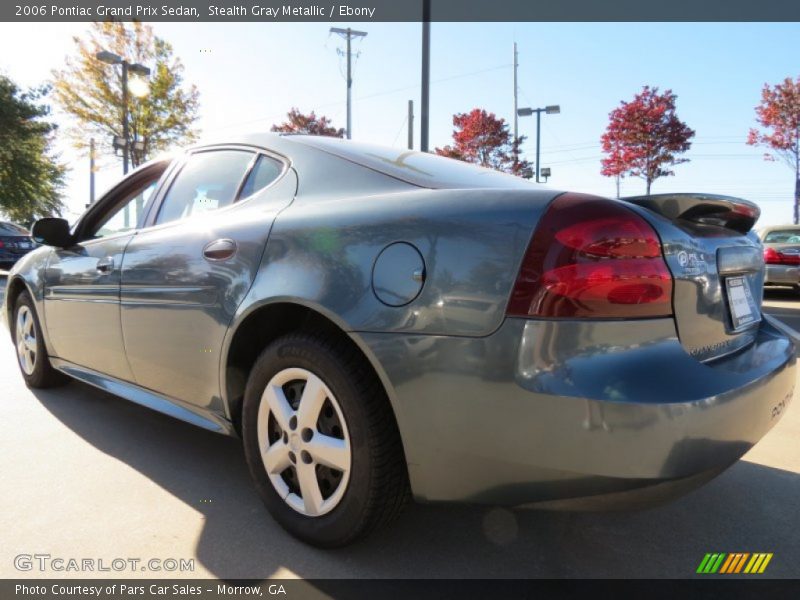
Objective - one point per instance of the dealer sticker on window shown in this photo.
(741, 302)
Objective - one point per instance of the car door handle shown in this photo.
(219, 249)
(105, 265)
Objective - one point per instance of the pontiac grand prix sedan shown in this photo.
(379, 324)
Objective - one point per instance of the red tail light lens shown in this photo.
(773, 257)
(592, 258)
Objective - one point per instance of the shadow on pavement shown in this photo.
(750, 508)
(783, 303)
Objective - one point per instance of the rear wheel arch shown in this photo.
(266, 324)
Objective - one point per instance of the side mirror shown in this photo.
(52, 231)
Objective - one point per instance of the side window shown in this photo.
(208, 181)
(128, 212)
(265, 172)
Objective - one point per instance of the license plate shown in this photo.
(24, 245)
(743, 307)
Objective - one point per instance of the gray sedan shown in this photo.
(782, 254)
(379, 325)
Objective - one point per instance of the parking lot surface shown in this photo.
(88, 475)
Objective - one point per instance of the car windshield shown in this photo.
(783, 236)
(418, 168)
(7, 228)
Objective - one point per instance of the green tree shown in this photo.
(91, 91)
(30, 175)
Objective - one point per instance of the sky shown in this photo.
(250, 74)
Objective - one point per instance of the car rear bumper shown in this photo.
(782, 275)
(546, 411)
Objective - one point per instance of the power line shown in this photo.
(365, 97)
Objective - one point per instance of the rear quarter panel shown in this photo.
(321, 254)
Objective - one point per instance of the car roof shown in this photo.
(421, 169)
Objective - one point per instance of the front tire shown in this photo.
(32, 357)
(321, 441)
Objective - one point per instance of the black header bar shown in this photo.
(222, 11)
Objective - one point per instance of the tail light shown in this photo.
(773, 257)
(2, 244)
(592, 258)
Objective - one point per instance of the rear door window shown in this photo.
(208, 181)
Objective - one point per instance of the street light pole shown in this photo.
(115, 59)
(125, 134)
(552, 109)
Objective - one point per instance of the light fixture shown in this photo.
(108, 57)
(138, 86)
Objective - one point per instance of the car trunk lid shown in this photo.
(717, 267)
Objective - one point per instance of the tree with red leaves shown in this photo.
(311, 124)
(779, 114)
(644, 137)
(481, 138)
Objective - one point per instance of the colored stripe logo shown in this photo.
(735, 562)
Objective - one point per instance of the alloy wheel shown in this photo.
(304, 442)
(26, 340)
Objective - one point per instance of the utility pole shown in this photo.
(348, 34)
(426, 75)
(516, 64)
(91, 171)
(410, 124)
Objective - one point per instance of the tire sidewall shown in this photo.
(344, 521)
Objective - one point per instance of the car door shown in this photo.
(185, 274)
(81, 301)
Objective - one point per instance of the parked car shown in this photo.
(15, 242)
(782, 255)
(332, 302)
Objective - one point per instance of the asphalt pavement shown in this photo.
(88, 475)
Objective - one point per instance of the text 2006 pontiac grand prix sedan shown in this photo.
(380, 324)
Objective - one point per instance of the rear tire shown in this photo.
(336, 464)
(32, 357)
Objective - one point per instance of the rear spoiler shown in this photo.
(708, 209)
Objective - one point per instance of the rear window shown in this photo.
(418, 168)
(12, 229)
(783, 236)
